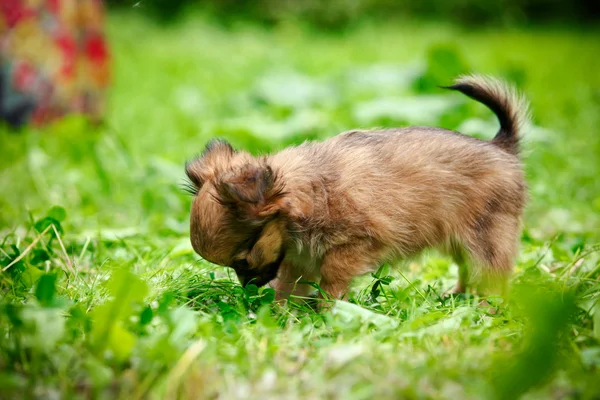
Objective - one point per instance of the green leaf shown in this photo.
(121, 342)
(18, 267)
(39, 256)
(375, 288)
(268, 296)
(231, 316)
(386, 280)
(45, 290)
(375, 292)
(146, 316)
(238, 291)
(251, 290)
(165, 301)
(79, 319)
(383, 268)
(126, 287)
(228, 312)
(45, 222)
(126, 290)
(57, 213)
(224, 307)
(548, 312)
(350, 312)
(30, 276)
(13, 313)
(264, 317)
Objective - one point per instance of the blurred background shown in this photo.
(103, 102)
(340, 14)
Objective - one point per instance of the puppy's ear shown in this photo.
(253, 189)
(199, 170)
(268, 247)
(217, 147)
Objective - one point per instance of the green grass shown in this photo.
(114, 304)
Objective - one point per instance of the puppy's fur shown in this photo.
(326, 212)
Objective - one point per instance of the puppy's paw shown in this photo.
(456, 291)
(324, 305)
(491, 309)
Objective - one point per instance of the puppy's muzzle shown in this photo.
(267, 273)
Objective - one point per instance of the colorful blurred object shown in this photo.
(54, 60)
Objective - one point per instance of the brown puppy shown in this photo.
(327, 212)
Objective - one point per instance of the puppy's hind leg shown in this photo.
(493, 247)
(343, 263)
(458, 256)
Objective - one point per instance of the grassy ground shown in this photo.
(108, 300)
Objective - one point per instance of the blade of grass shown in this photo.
(28, 249)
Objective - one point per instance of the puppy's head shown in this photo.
(234, 216)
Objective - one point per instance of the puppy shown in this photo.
(327, 212)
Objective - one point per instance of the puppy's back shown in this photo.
(416, 187)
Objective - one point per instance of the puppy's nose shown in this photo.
(243, 280)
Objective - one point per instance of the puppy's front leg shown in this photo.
(343, 263)
(288, 282)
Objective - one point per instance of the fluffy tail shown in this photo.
(510, 107)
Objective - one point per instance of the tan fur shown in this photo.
(333, 210)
